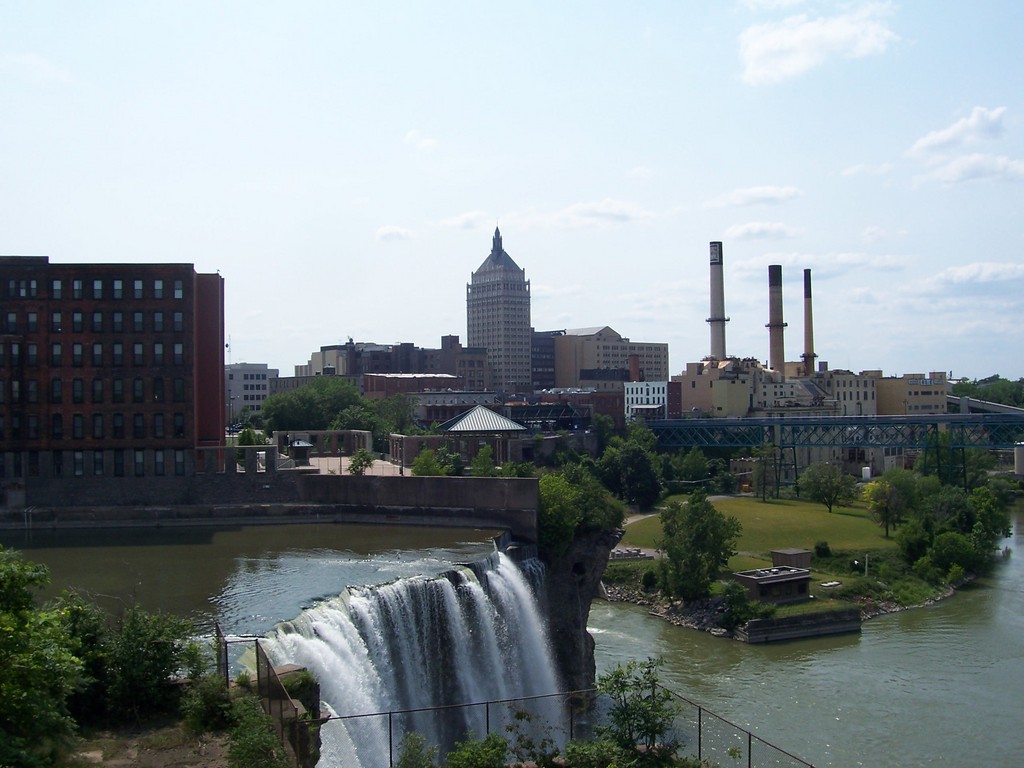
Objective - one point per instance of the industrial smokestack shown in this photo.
(808, 355)
(775, 326)
(718, 319)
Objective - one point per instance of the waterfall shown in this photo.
(472, 634)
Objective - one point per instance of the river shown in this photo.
(930, 686)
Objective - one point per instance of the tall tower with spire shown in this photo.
(498, 318)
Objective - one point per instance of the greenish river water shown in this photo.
(932, 686)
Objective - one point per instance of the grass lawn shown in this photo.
(781, 523)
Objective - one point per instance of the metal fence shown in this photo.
(375, 740)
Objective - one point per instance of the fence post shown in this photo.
(700, 754)
(572, 716)
(391, 740)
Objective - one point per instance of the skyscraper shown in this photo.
(498, 318)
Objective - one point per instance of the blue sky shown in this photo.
(343, 165)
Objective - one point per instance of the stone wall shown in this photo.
(483, 502)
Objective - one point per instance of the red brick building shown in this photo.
(106, 371)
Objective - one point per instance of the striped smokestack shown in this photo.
(718, 319)
(775, 326)
(808, 355)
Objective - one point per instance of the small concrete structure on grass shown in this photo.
(781, 584)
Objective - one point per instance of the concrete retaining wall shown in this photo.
(794, 627)
(286, 496)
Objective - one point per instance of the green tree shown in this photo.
(697, 541)
(38, 670)
(559, 513)
(642, 711)
(690, 466)
(572, 500)
(361, 461)
(145, 653)
(312, 406)
(488, 752)
(441, 462)
(991, 519)
(827, 484)
(483, 463)
(426, 464)
(414, 753)
(739, 609)
(631, 472)
(952, 548)
(604, 428)
(885, 504)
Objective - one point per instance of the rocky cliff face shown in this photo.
(572, 582)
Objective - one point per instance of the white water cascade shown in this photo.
(470, 635)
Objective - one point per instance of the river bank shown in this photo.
(707, 615)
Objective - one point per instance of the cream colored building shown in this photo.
(603, 360)
(498, 319)
(912, 393)
(645, 399)
(719, 388)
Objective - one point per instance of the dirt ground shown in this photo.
(162, 746)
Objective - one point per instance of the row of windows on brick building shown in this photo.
(13, 355)
(17, 391)
(117, 427)
(98, 322)
(98, 463)
(29, 289)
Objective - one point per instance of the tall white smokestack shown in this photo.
(808, 355)
(775, 326)
(718, 319)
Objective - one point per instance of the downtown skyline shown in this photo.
(343, 167)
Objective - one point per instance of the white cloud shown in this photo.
(391, 232)
(978, 273)
(757, 5)
(983, 123)
(872, 234)
(760, 230)
(416, 139)
(824, 264)
(640, 172)
(754, 196)
(605, 211)
(863, 169)
(467, 220)
(777, 51)
(32, 67)
(977, 166)
(545, 291)
(598, 213)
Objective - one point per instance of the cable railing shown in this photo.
(375, 739)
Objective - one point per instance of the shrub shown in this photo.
(206, 705)
(528, 745)
(414, 752)
(822, 549)
(252, 741)
(600, 753)
(488, 752)
(146, 651)
(956, 574)
(642, 712)
(649, 580)
(925, 569)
